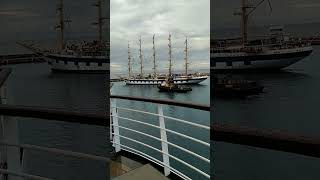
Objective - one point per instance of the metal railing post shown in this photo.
(164, 145)
(11, 156)
(115, 127)
(3, 150)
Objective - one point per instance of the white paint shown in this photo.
(164, 145)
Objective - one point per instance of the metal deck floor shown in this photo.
(144, 172)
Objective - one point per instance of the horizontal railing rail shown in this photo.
(22, 175)
(54, 114)
(273, 140)
(164, 102)
(116, 135)
(57, 151)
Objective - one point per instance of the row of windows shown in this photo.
(153, 81)
(229, 63)
(77, 63)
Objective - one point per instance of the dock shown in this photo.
(20, 59)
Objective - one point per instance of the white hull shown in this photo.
(73, 64)
(182, 81)
(258, 64)
(273, 59)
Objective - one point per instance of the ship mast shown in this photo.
(140, 56)
(129, 62)
(245, 16)
(61, 26)
(170, 62)
(244, 21)
(100, 20)
(154, 59)
(186, 57)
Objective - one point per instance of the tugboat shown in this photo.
(170, 86)
(228, 87)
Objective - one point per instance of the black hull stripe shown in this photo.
(263, 57)
(75, 59)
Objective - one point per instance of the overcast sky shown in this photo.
(283, 12)
(132, 18)
(36, 19)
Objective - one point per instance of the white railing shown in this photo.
(117, 136)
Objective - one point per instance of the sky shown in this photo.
(36, 20)
(283, 12)
(132, 18)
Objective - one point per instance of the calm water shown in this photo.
(289, 103)
(35, 85)
(199, 94)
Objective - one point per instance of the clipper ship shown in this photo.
(273, 52)
(157, 79)
(89, 57)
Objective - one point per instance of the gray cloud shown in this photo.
(283, 12)
(130, 19)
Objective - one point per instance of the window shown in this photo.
(76, 63)
(88, 63)
(65, 62)
(229, 63)
(57, 61)
(99, 64)
(247, 62)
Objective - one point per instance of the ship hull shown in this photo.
(274, 60)
(78, 64)
(193, 80)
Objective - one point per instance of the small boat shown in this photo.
(228, 87)
(170, 86)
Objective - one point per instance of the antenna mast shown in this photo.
(170, 63)
(129, 61)
(186, 57)
(154, 59)
(140, 56)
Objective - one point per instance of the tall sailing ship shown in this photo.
(89, 57)
(274, 51)
(156, 78)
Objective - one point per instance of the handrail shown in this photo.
(57, 151)
(166, 102)
(167, 130)
(166, 117)
(115, 135)
(22, 175)
(54, 114)
(273, 140)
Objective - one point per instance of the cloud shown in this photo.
(130, 19)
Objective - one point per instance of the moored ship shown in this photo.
(88, 57)
(156, 78)
(272, 52)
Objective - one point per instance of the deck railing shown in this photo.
(11, 151)
(117, 135)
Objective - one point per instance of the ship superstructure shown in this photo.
(275, 51)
